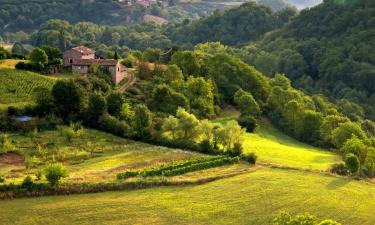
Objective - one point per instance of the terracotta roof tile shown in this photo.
(83, 50)
(87, 62)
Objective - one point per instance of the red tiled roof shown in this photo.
(88, 62)
(83, 50)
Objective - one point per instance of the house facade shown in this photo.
(81, 58)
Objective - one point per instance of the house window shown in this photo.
(118, 69)
(71, 60)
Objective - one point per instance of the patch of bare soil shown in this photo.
(12, 158)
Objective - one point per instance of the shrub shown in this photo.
(174, 169)
(248, 122)
(54, 173)
(2, 179)
(250, 158)
(114, 126)
(205, 146)
(352, 162)
(27, 183)
(340, 169)
(237, 149)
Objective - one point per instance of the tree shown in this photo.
(352, 162)
(188, 124)
(142, 122)
(44, 101)
(284, 218)
(54, 54)
(370, 160)
(232, 134)
(291, 63)
(97, 107)
(171, 125)
(152, 55)
(68, 98)
(200, 94)
(329, 124)
(18, 49)
(38, 55)
(345, 131)
(54, 173)
(356, 146)
(246, 103)
(309, 126)
(165, 99)
(187, 61)
(173, 74)
(114, 104)
(206, 128)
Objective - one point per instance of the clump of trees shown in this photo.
(285, 218)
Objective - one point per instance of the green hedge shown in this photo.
(181, 167)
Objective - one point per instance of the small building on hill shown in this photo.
(81, 58)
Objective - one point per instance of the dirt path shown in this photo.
(130, 82)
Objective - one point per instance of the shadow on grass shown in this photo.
(338, 183)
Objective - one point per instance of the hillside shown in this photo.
(17, 87)
(330, 55)
(252, 198)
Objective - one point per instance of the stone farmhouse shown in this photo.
(81, 58)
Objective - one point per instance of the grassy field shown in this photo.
(16, 87)
(252, 198)
(111, 155)
(9, 63)
(274, 147)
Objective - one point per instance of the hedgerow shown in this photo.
(181, 167)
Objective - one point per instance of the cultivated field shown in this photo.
(251, 198)
(17, 87)
(93, 157)
(9, 63)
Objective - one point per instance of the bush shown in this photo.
(340, 169)
(352, 162)
(54, 173)
(37, 67)
(114, 126)
(174, 169)
(27, 183)
(236, 150)
(248, 122)
(2, 179)
(205, 146)
(250, 158)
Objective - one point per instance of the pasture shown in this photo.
(276, 148)
(93, 157)
(251, 198)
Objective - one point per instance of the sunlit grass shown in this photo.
(251, 198)
(274, 147)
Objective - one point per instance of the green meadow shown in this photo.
(251, 198)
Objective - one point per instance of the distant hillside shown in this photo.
(329, 49)
(301, 4)
(232, 27)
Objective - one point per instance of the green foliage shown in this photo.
(345, 131)
(114, 104)
(200, 94)
(188, 124)
(187, 61)
(6, 144)
(246, 103)
(250, 157)
(352, 162)
(179, 168)
(165, 99)
(356, 146)
(38, 55)
(68, 98)
(248, 122)
(54, 173)
(18, 49)
(97, 107)
(152, 55)
(284, 218)
(142, 121)
(340, 169)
